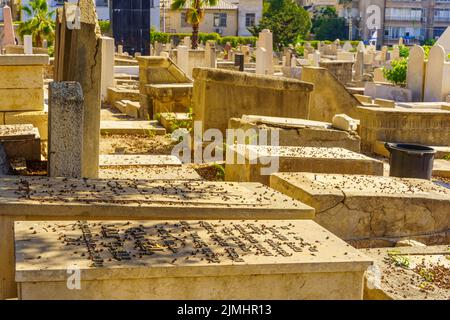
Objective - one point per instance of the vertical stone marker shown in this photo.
(416, 72)
(437, 79)
(265, 53)
(107, 65)
(65, 120)
(8, 29)
(78, 57)
(27, 44)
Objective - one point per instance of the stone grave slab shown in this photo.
(131, 127)
(425, 105)
(441, 168)
(408, 273)
(298, 132)
(244, 162)
(21, 141)
(175, 120)
(43, 198)
(212, 259)
(149, 173)
(359, 208)
(128, 160)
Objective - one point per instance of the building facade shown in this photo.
(413, 20)
(227, 18)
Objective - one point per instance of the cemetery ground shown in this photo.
(346, 194)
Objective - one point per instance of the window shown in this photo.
(220, 20)
(184, 24)
(404, 14)
(249, 19)
(442, 14)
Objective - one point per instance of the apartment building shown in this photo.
(413, 20)
(227, 17)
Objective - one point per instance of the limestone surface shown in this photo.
(210, 259)
(357, 207)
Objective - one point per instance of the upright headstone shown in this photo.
(415, 75)
(107, 65)
(44, 43)
(361, 46)
(183, 59)
(400, 41)
(27, 44)
(265, 40)
(210, 54)
(187, 42)
(358, 66)
(444, 40)
(120, 49)
(261, 57)
(78, 57)
(347, 46)
(8, 27)
(239, 61)
(65, 134)
(395, 53)
(383, 56)
(437, 79)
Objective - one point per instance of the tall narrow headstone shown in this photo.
(437, 79)
(210, 54)
(265, 41)
(416, 72)
(27, 44)
(239, 61)
(359, 65)
(78, 57)
(8, 28)
(107, 65)
(65, 134)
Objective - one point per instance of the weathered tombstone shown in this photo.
(359, 65)
(27, 44)
(227, 48)
(437, 79)
(400, 41)
(383, 56)
(210, 54)
(347, 46)
(120, 49)
(8, 28)
(44, 43)
(444, 40)
(361, 46)
(187, 42)
(378, 75)
(239, 61)
(416, 72)
(265, 41)
(65, 136)
(395, 53)
(4, 161)
(78, 57)
(107, 65)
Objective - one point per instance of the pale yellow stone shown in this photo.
(21, 77)
(334, 270)
(39, 119)
(21, 99)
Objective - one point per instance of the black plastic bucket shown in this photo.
(410, 160)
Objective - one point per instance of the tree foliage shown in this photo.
(195, 12)
(41, 25)
(287, 21)
(326, 25)
(397, 72)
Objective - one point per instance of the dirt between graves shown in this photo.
(135, 144)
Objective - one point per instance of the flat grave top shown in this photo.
(254, 151)
(137, 249)
(221, 200)
(18, 131)
(406, 110)
(149, 173)
(423, 105)
(24, 59)
(322, 184)
(287, 122)
(115, 160)
(418, 272)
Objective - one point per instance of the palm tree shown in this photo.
(41, 24)
(195, 13)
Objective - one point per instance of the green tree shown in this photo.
(287, 21)
(397, 74)
(195, 13)
(326, 25)
(41, 25)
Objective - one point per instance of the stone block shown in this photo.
(66, 120)
(389, 92)
(172, 121)
(84, 199)
(21, 99)
(363, 99)
(24, 60)
(357, 207)
(246, 94)
(131, 127)
(21, 77)
(133, 109)
(384, 103)
(116, 94)
(21, 141)
(38, 119)
(243, 259)
(140, 160)
(158, 172)
(295, 132)
(245, 162)
(344, 122)
(175, 97)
